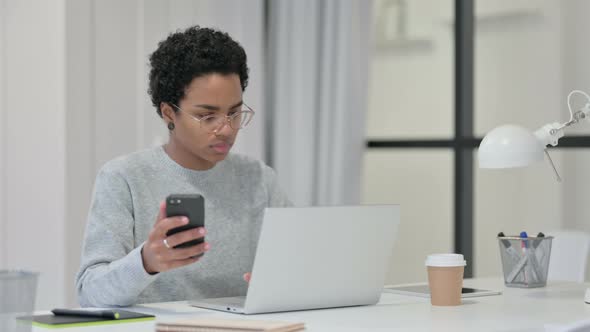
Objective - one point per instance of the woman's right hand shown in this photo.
(157, 257)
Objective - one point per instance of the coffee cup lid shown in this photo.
(443, 260)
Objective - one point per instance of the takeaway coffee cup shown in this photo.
(445, 278)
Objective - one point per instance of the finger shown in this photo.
(247, 276)
(161, 212)
(185, 236)
(183, 253)
(162, 228)
(182, 262)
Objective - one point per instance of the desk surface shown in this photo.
(515, 310)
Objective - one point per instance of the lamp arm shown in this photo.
(584, 113)
(550, 133)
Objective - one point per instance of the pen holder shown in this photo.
(525, 261)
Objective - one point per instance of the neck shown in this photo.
(185, 158)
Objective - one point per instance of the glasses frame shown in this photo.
(227, 121)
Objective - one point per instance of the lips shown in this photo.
(222, 147)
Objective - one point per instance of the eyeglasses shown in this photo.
(215, 122)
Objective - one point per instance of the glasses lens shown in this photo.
(241, 119)
(211, 121)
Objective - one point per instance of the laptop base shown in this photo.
(227, 304)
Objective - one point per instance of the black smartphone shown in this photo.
(191, 206)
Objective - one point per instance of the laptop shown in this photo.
(317, 257)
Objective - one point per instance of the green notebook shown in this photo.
(55, 322)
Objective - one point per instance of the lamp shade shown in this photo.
(509, 146)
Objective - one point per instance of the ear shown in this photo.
(167, 112)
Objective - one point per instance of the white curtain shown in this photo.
(319, 54)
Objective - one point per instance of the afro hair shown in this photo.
(192, 53)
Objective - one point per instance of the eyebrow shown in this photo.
(217, 108)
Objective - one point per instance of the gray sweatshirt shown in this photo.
(125, 203)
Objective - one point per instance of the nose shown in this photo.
(224, 129)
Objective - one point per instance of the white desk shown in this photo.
(514, 310)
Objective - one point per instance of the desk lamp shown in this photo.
(511, 146)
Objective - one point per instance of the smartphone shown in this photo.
(191, 206)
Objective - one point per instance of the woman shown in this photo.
(197, 79)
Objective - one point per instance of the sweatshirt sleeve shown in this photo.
(276, 196)
(111, 269)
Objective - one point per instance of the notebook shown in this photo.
(51, 321)
(223, 325)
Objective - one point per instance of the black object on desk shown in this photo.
(86, 318)
(108, 314)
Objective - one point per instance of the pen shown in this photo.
(516, 257)
(524, 236)
(109, 314)
(537, 242)
(516, 270)
(523, 245)
(508, 247)
(533, 256)
(531, 276)
(540, 238)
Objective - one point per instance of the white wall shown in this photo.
(2, 130)
(421, 181)
(411, 85)
(576, 65)
(410, 97)
(79, 131)
(518, 79)
(33, 146)
(73, 94)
